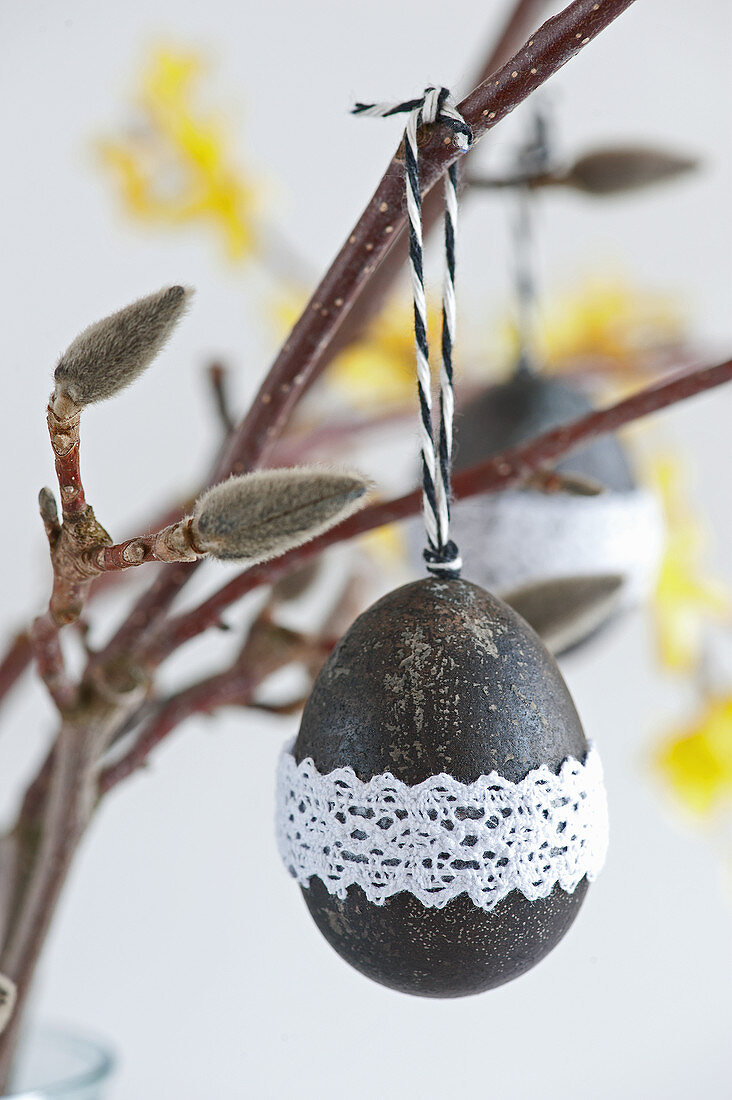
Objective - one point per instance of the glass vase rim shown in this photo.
(100, 1057)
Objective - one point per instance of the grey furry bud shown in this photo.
(110, 354)
(264, 514)
(616, 171)
(48, 507)
(565, 610)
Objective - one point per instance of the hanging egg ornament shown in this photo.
(519, 537)
(440, 807)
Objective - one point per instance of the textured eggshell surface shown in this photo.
(440, 676)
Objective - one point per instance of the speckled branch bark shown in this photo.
(18, 657)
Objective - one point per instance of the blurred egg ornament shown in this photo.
(440, 806)
(526, 405)
(518, 537)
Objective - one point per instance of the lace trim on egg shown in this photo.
(441, 837)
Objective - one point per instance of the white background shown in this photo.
(180, 937)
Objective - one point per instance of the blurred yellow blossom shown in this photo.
(379, 369)
(696, 760)
(609, 320)
(605, 322)
(178, 167)
(685, 598)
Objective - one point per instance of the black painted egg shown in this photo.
(438, 679)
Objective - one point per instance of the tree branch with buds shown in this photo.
(274, 521)
(106, 358)
(250, 518)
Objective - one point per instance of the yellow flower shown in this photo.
(381, 369)
(179, 167)
(605, 323)
(685, 598)
(608, 320)
(696, 760)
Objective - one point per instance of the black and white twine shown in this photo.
(441, 554)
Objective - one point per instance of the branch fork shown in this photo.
(80, 531)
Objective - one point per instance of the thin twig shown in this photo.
(268, 648)
(50, 662)
(80, 529)
(233, 687)
(218, 377)
(18, 657)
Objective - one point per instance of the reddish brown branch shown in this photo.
(268, 648)
(50, 662)
(523, 16)
(174, 543)
(510, 468)
(72, 574)
(233, 687)
(64, 433)
(65, 817)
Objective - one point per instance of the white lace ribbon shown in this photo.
(441, 837)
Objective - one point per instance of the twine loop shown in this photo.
(435, 106)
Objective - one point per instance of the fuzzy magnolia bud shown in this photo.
(264, 514)
(48, 507)
(110, 354)
(615, 171)
(565, 610)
